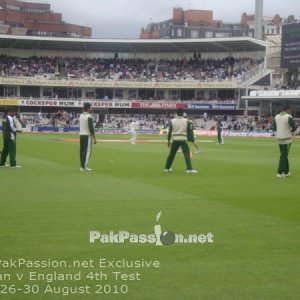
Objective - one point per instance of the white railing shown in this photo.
(254, 75)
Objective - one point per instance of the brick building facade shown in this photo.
(194, 24)
(37, 19)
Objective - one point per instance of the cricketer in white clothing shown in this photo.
(133, 126)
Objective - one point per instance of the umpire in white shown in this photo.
(87, 134)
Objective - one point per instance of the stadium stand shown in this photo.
(49, 79)
(127, 69)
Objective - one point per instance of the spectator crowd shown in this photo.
(63, 118)
(126, 69)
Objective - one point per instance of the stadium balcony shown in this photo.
(64, 69)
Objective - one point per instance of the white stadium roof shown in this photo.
(132, 45)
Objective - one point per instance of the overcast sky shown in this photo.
(125, 18)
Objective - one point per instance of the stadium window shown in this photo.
(2, 91)
(13, 7)
(222, 34)
(173, 95)
(253, 103)
(108, 93)
(159, 94)
(77, 93)
(144, 94)
(100, 93)
(10, 91)
(225, 94)
(30, 91)
(132, 94)
(187, 95)
(194, 34)
(74, 93)
(119, 94)
(61, 93)
(209, 34)
(213, 94)
(47, 92)
(199, 94)
(90, 94)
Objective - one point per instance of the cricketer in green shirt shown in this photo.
(284, 126)
(9, 132)
(179, 130)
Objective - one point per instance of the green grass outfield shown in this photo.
(48, 208)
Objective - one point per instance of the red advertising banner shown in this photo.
(158, 105)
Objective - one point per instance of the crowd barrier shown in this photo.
(234, 133)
